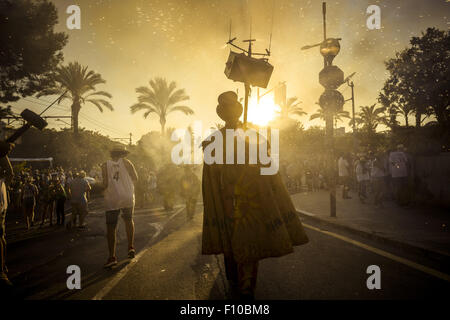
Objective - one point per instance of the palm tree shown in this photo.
(370, 117)
(405, 110)
(75, 83)
(338, 116)
(162, 99)
(291, 108)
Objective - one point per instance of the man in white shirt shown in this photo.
(344, 176)
(119, 177)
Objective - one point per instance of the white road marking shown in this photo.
(158, 226)
(102, 212)
(385, 254)
(306, 212)
(115, 280)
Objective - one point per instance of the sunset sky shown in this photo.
(129, 42)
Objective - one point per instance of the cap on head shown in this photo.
(229, 108)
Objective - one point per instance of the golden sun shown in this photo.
(262, 113)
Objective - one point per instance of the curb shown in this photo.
(428, 253)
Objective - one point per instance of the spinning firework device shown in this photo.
(32, 119)
(245, 68)
(242, 68)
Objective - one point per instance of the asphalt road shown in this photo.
(169, 266)
(37, 267)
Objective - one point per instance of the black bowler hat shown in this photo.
(229, 107)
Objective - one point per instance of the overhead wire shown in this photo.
(83, 116)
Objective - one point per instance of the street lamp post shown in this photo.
(353, 106)
(351, 85)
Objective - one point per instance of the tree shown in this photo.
(370, 117)
(161, 98)
(30, 49)
(90, 150)
(291, 108)
(75, 83)
(338, 116)
(394, 103)
(419, 77)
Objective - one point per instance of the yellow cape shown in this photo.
(253, 220)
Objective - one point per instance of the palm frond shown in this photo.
(102, 102)
(144, 91)
(185, 109)
(139, 106)
(99, 93)
(146, 114)
(96, 103)
(315, 116)
(50, 92)
(297, 111)
(177, 96)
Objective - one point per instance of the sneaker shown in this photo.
(131, 253)
(111, 262)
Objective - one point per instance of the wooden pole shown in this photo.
(247, 93)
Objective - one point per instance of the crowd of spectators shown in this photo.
(386, 175)
(43, 195)
(377, 175)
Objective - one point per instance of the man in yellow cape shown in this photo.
(247, 216)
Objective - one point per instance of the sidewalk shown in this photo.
(424, 230)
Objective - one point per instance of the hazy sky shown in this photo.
(129, 42)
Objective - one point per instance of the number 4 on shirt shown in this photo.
(116, 176)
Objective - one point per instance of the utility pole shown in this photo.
(131, 141)
(353, 106)
(331, 100)
(329, 130)
(352, 86)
